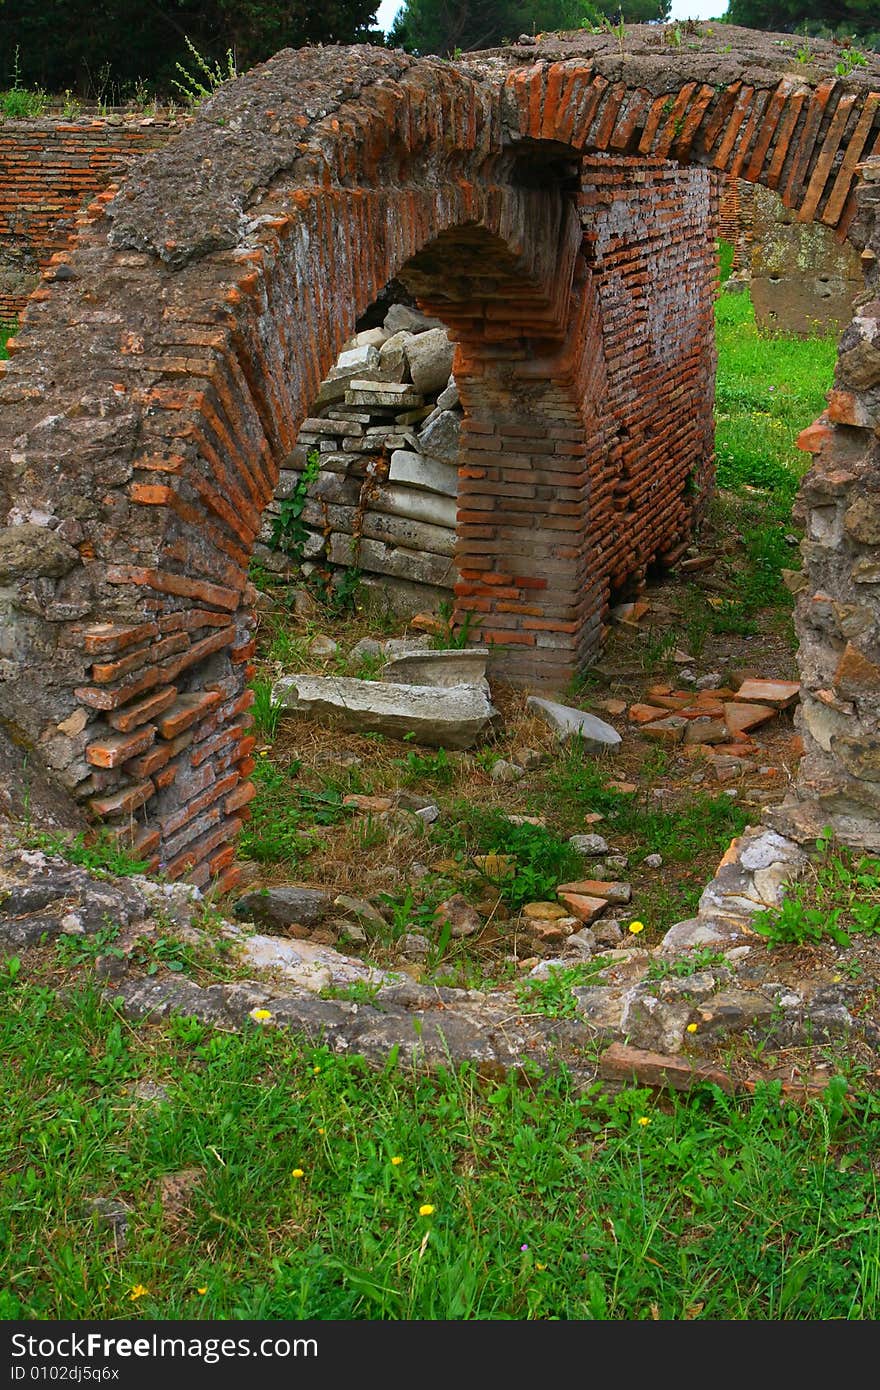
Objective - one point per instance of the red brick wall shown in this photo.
(736, 217)
(649, 234)
(49, 169)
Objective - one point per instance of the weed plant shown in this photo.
(839, 898)
(285, 815)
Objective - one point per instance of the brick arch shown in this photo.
(166, 363)
(164, 440)
(802, 140)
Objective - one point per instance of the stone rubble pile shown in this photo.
(714, 724)
(385, 434)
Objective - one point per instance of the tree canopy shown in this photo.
(858, 18)
(102, 48)
(449, 26)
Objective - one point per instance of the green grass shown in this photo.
(547, 1203)
(286, 817)
(576, 785)
(839, 897)
(768, 389)
(7, 330)
(97, 852)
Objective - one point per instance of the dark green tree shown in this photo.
(858, 18)
(102, 47)
(447, 26)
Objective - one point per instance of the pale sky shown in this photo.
(681, 9)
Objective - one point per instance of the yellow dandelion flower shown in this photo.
(316, 1070)
(138, 1291)
(636, 927)
(203, 1289)
(426, 1209)
(538, 1265)
(691, 1028)
(321, 1129)
(298, 1173)
(644, 1120)
(261, 1015)
(397, 1160)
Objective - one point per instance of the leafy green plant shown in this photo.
(18, 102)
(74, 948)
(542, 859)
(552, 994)
(98, 851)
(289, 531)
(426, 767)
(842, 897)
(266, 711)
(71, 107)
(204, 79)
(682, 967)
(358, 992)
(451, 636)
(850, 59)
(337, 593)
(284, 816)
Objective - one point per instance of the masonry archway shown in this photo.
(166, 363)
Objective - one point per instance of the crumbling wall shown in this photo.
(49, 170)
(168, 359)
(837, 609)
(802, 279)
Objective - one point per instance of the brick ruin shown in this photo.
(49, 168)
(553, 206)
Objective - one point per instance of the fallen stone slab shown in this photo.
(282, 906)
(442, 668)
(596, 736)
(636, 1065)
(307, 965)
(400, 395)
(451, 716)
(740, 718)
(420, 471)
(441, 436)
(779, 694)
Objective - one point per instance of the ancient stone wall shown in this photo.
(49, 170)
(838, 591)
(649, 233)
(802, 278)
(214, 292)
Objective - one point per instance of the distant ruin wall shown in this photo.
(802, 278)
(49, 169)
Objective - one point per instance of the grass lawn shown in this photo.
(313, 1188)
